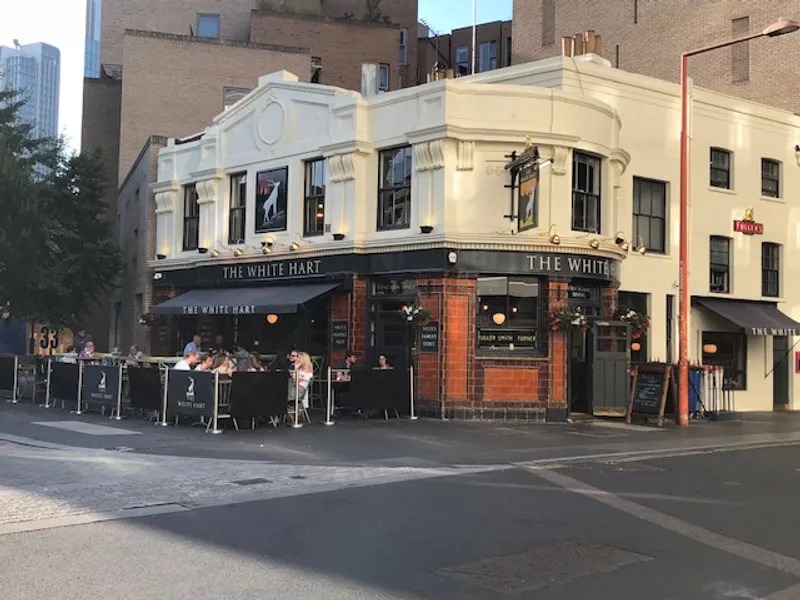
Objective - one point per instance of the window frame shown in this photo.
(539, 329)
(491, 57)
(382, 191)
(384, 68)
(462, 63)
(771, 177)
(190, 217)
(403, 47)
(650, 217)
(218, 18)
(720, 339)
(236, 211)
(718, 289)
(312, 201)
(770, 269)
(594, 196)
(727, 170)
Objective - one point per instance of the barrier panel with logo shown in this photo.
(191, 393)
(144, 385)
(64, 381)
(102, 386)
(8, 376)
(256, 395)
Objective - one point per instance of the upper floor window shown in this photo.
(394, 189)
(650, 213)
(316, 69)
(191, 218)
(770, 269)
(314, 198)
(236, 215)
(462, 60)
(383, 77)
(488, 56)
(404, 46)
(207, 26)
(720, 176)
(719, 264)
(770, 178)
(508, 51)
(585, 193)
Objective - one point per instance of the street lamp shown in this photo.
(781, 27)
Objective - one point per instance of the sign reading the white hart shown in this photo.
(271, 200)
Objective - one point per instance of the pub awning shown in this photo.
(754, 317)
(243, 301)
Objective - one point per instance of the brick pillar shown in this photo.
(428, 363)
(339, 311)
(358, 319)
(557, 392)
(610, 301)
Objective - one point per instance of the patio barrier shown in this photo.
(9, 373)
(376, 390)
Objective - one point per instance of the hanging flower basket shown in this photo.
(418, 316)
(569, 318)
(151, 320)
(639, 322)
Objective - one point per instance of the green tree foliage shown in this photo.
(57, 253)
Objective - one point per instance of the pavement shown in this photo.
(98, 509)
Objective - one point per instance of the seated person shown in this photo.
(383, 364)
(281, 362)
(205, 363)
(350, 359)
(71, 356)
(254, 365)
(134, 355)
(223, 365)
(88, 350)
(188, 362)
(300, 379)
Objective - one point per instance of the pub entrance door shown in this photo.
(610, 373)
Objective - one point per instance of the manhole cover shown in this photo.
(256, 481)
(542, 566)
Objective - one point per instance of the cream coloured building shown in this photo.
(309, 215)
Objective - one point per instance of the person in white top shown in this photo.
(301, 379)
(188, 361)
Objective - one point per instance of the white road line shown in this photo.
(761, 556)
(792, 593)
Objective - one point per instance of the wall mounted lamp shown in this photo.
(202, 250)
(161, 256)
(640, 247)
(268, 242)
(619, 240)
(555, 239)
(498, 318)
(266, 250)
(338, 237)
(294, 246)
(214, 253)
(594, 243)
(238, 252)
(272, 318)
(425, 228)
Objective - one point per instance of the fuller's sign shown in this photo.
(748, 225)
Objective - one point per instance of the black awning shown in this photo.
(756, 318)
(243, 301)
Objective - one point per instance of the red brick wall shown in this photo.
(501, 383)
(610, 296)
(557, 295)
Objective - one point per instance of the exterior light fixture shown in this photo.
(157, 276)
(266, 250)
(425, 228)
(640, 247)
(554, 237)
(636, 346)
(214, 253)
(272, 318)
(161, 256)
(238, 252)
(452, 257)
(619, 240)
(202, 250)
(594, 244)
(338, 237)
(781, 27)
(268, 242)
(710, 349)
(294, 247)
(498, 318)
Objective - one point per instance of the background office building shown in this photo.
(35, 71)
(91, 60)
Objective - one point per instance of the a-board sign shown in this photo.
(429, 337)
(652, 384)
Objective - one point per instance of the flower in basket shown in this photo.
(569, 318)
(417, 315)
(148, 319)
(639, 322)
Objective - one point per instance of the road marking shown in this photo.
(761, 556)
(87, 518)
(86, 428)
(792, 593)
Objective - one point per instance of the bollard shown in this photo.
(297, 424)
(412, 416)
(163, 421)
(328, 411)
(215, 416)
(15, 387)
(78, 410)
(47, 389)
(119, 396)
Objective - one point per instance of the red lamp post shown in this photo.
(781, 27)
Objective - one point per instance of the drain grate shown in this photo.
(255, 481)
(298, 477)
(542, 566)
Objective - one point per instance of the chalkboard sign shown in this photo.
(339, 335)
(651, 385)
(429, 338)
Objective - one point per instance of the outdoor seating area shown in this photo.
(150, 389)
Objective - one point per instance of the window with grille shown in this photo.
(720, 264)
(720, 176)
(770, 178)
(394, 189)
(770, 269)
(314, 198)
(731, 355)
(585, 193)
(236, 214)
(191, 218)
(650, 213)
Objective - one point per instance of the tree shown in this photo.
(57, 253)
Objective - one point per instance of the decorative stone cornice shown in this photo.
(165, 201)
(429, 156)
(342, 167)
(560, 156)
(207, 191)
(619, 160)
(465, 156)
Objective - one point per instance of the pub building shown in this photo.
(309, 216)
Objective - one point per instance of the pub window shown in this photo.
(720, 264)
(720, 175)
(314, 198)
(649, 213)
(191, 218)
(394, 189)
(731, 355)
(236, 216)
(770, 178)
(508, 314)
(585, 193)
(770, 269)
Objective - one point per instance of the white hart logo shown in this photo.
(190, 390)
(101, 387)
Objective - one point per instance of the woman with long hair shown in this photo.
(254, 365)
(300, 380)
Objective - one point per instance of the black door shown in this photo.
(610, 369)
(780, 372)
(390, 334)
(580, 392)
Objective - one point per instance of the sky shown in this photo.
(62, 23)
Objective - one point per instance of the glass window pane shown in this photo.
(208, 26)
(492, 286)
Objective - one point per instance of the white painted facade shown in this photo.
(461, 131)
